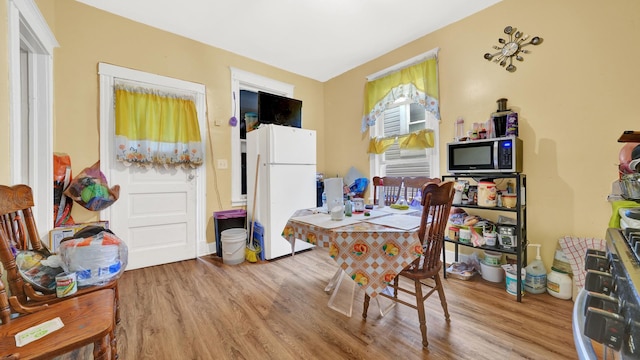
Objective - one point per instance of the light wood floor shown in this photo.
(203, 309)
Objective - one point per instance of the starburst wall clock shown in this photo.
(512, 47)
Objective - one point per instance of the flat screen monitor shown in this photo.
(279, 110)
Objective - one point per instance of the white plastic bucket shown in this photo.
(511, 281)
(491, 273)
(233, 243)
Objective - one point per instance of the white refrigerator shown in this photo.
(286, 178)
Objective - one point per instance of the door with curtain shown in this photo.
(155, 214)
(160, 213)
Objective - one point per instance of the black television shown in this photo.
(279, 110)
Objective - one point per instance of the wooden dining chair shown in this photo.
(424, 272)
(415, 183)
(392, 186)
(86, 319)
(18, 232)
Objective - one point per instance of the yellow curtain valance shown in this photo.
(422, 139)
(153, 128)
(418, 83)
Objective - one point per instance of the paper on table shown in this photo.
(391, 210)
(324, 220)
(403, 222)
(360, 215)
(372, 214)
(36, 332)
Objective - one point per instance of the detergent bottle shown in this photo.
(536, 279)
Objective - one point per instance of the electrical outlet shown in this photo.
(222, 164)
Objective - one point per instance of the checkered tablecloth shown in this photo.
(371, 254)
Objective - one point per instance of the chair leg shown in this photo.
(114, 345)
(395, 287)
(117, 303)
(421, 314)
(366, 305)
(100, 349)
(443, 299)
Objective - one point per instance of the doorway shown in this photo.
(31, 45)
(160, 214)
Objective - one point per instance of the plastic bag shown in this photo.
(465, 270)
(61, 179)
(33, 269)
(91, 191)
(96, 259)
(416, 202)
(359, 186)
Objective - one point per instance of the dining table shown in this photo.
(370, 249)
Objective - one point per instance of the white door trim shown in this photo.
(108, 73)
(244, 80)
(27, 26)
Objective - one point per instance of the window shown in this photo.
(399, 120)
(243, 84)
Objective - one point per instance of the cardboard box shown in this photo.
(57, 234)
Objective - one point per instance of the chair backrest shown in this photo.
(436, 202)
(392, 186)
(18, 231)
(5, 309)
(415, 183)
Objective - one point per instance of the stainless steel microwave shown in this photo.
(499, 155)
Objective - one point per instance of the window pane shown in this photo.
(401, 120)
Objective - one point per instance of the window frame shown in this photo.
(244, 80)
(377, 161)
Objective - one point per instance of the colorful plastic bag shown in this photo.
(91, 191)
(61, 180)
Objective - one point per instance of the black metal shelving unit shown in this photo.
(521, 220)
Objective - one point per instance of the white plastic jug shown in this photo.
(559, 284)
(536, 279)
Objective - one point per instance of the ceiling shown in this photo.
(319, 39)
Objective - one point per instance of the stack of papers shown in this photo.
(324, 220)
(404, 222)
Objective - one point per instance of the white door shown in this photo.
(160, 213)
(155, 214)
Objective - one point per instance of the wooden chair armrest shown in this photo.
(36, 296)
(22, 309)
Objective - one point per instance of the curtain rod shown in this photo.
(414, 60)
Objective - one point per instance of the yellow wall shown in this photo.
(88, 36)
(575, 94)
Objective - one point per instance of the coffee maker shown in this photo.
(499, 118)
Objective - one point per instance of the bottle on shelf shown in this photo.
(459, 131)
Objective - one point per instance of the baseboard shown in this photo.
(206, 248)
(450, 257)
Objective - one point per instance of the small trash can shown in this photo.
(227, 219)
